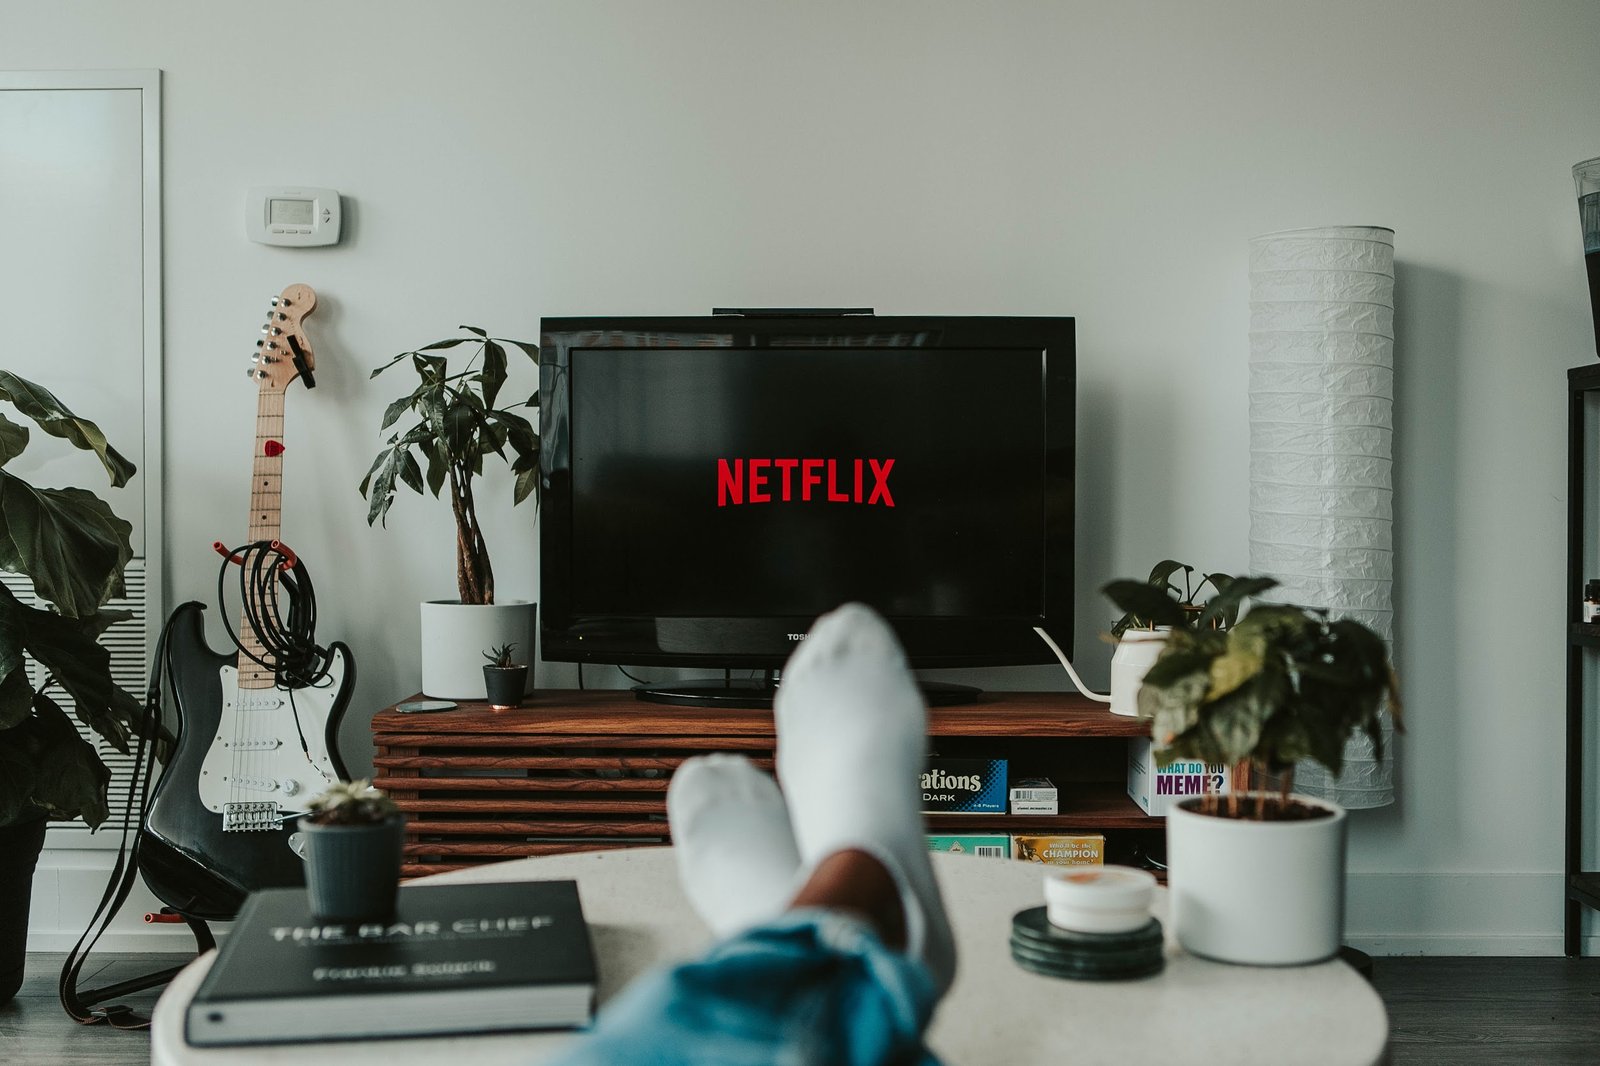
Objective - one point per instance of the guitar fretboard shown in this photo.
(266, 507)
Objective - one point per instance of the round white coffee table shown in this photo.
(1193, 1012)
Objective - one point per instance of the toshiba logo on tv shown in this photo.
(741, 481)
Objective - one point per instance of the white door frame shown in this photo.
(148, 84)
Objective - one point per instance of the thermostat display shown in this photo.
(298, 217)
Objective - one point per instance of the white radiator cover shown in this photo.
(130, 663)
(1321, 428)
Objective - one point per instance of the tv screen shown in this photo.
(712, 485)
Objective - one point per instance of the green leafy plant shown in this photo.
(1160, 601)
(500, 656)
(73, 549)
(459, 426)
(352, 803)
(1282, 684)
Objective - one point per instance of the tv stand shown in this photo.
(579, 771)
(758, 694)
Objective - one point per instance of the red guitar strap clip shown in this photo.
(289, 561)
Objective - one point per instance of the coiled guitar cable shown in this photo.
(270, 575)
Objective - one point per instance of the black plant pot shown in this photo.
(20, 845)
(353, 871)
(505, 685)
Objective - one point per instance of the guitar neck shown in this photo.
(266, 515)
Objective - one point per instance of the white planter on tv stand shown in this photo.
(455, 636)
(1137, 651)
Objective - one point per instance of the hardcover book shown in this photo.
(454, 959)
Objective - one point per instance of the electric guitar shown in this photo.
(250, 751)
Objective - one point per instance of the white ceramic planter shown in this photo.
(1263, 893)
(1137, 651)
(455, 636)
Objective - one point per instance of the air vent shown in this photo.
(129, 663)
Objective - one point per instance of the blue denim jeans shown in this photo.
(813, 987)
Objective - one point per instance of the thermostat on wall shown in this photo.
(297, 216)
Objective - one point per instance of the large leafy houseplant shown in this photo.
(459, 425)
(1282, 684)
(73, 549)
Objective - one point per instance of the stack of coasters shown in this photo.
(1047, 949)
(1096, 926)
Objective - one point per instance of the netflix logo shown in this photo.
(741, 481)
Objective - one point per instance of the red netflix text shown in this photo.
(741, 481)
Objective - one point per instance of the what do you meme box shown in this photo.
(1156, 787)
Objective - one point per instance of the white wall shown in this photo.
(502, 161)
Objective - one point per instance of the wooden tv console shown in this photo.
(588, 770)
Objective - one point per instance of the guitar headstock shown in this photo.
(284, 353)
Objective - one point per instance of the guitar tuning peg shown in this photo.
(251, 373)
(275, 301)
(271, 331)
(282, 317)
(260, 343)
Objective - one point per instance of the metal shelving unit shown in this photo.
(1582, 886)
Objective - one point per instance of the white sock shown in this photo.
(852, 736)
(730, 831)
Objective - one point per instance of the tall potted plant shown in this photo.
(1153, 608)
(72, 548)
(1258, 876)
(458, 427)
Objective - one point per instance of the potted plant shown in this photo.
(1153, 608)
(504, 681)
(72, 548)
(354, 835)
(458, 427)
(1258, 876)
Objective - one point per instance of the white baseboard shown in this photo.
(1478, 946)
(1466, 913)
(1386, 913)
(67, 888)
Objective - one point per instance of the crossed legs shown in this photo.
(835, 946)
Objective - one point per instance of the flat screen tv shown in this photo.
(712, 484)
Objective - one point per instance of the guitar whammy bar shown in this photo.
(257, 730)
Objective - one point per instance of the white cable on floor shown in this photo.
(1076, 680)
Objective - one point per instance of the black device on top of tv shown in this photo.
(711, 485)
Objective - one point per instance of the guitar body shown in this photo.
(250, 754)
(188, 857)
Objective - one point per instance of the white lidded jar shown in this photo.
(1099, 899)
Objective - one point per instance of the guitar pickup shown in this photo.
(255, 744)
(251, 817)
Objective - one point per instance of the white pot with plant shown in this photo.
(459, 427)
(1152, 609)
(1258, 876)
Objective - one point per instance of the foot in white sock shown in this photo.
(730, 831)
(851, 744)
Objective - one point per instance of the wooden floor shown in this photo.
(1442, 1012)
